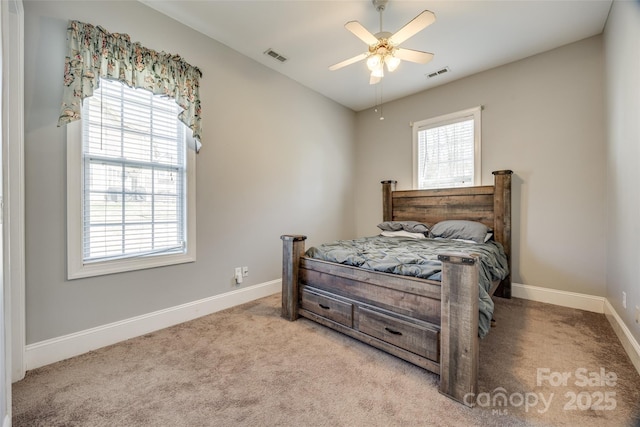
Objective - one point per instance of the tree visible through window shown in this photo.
(447, 150)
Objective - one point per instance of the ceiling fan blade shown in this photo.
(417, 24)
(374, 79)
(413, 55)
(361, 32)
(348, 61)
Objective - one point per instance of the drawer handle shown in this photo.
(326, 307)
(391, 331)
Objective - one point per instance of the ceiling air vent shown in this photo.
(275, 55)
(437, 73)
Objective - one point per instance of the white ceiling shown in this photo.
(467, 36)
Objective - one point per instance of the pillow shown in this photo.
(390, 226)
(460, 229)
(410, 226)
(403, 233)
(415, 227)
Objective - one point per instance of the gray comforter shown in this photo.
(418, 257)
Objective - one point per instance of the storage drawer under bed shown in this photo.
(331, 308)
(410, 336)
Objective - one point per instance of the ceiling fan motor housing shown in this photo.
(382, 48)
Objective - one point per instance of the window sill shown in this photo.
(118, 266)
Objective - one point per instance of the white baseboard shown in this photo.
(627, 339)
(583, 302)
(60, 348)
(7, 421)
(556, 297)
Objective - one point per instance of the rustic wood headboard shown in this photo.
(488, 204)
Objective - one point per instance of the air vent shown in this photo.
(275, 55)
(437, 73)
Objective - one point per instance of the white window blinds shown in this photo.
(446, 152)
(133, 160)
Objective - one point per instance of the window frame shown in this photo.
(76, 266)
(446, 119)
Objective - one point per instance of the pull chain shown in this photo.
(378, 108)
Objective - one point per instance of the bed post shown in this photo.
(292, 250)
(387, 201)
(502, 222)
(459, 342)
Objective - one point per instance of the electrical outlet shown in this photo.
(238, 275)
(245, 271)
(624, 300)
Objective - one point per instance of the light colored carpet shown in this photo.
(247, 366)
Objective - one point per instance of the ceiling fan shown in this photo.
(383, 46)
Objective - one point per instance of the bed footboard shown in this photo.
(292, 250)
(454, 355)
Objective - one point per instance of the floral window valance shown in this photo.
(93, 53)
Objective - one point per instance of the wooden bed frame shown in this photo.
(431, 324)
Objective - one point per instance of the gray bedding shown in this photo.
(418, 257)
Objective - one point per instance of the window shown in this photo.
(130, 184)
(446, 150)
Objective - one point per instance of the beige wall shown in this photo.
(544, 119)
(622, 47)
(277, 158)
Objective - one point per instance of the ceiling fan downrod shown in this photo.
(380, 6)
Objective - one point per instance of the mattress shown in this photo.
(419, 258)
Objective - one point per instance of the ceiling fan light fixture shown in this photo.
(378, 71)
(374, 62)
(392, 62)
